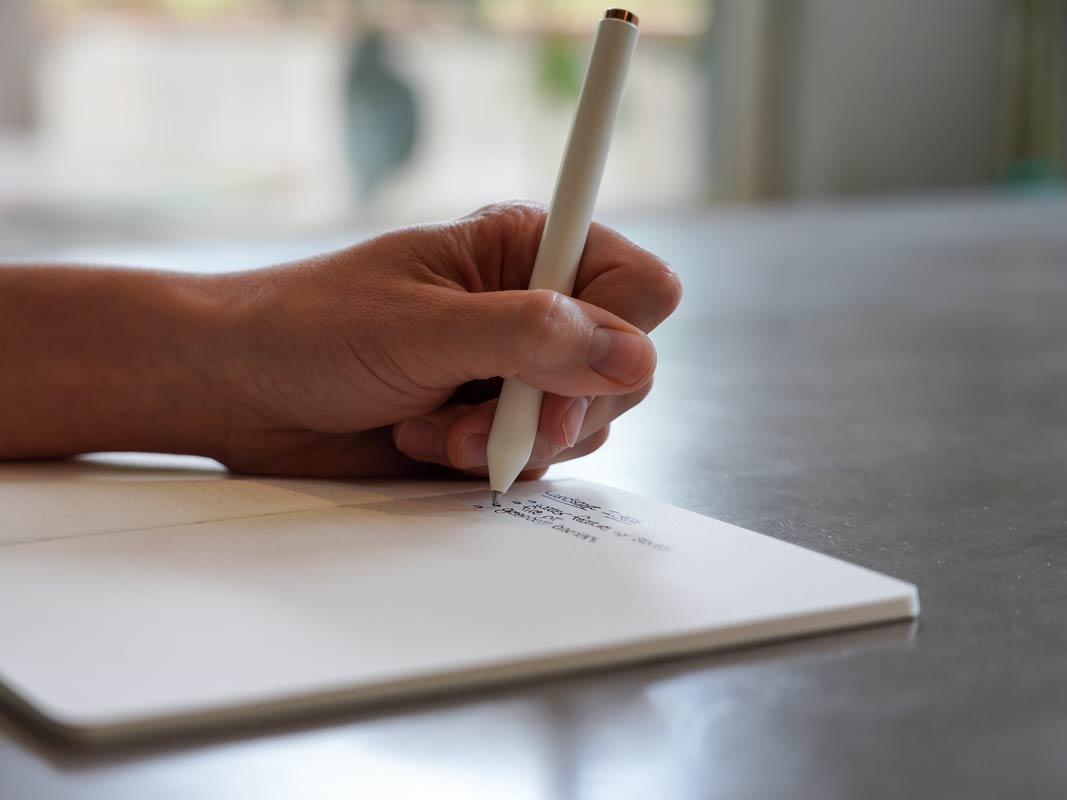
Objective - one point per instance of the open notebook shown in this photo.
(140, 599)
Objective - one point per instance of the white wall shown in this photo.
(250, 120)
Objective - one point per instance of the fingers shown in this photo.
(456, 435)
(545, 339)
(604, 410)
(627, 280)
(368, 454)
(498, 246)
(537, 470)
(565, 421)
(584, 447)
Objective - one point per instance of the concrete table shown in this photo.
(885, 383)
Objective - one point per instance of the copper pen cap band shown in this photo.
(623, 14)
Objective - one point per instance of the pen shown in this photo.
(570, 213)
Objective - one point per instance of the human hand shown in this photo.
(384, 358)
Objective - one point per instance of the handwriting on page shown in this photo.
(577, 518)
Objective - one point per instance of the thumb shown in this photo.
(548, 340)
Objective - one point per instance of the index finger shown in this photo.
(627, 280)
(615, 274)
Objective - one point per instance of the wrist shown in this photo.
(185, 405)
(155, 380)
(108, 359)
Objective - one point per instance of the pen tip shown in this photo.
(496, 498)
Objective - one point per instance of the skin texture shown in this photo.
(383, 359)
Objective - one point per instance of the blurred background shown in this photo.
(140, 119)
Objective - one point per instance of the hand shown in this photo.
(381, 359)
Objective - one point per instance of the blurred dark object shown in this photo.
(380, 112)
(16, 62)
(1035, 119)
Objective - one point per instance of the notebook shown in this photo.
(142, 597)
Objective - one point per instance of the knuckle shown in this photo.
(544, 450)
(544, 314)
(598, 439)
(636, 397)
(504, 237)
(512, 212)
(545, 306)
(616, 406)
(668, 286)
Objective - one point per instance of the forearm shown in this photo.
(108, 359)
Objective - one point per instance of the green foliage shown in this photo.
(559, 68)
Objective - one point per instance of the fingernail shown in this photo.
(420, 439)
(472, 451)
(573, 418)
(620, 356)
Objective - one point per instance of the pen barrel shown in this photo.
(570, 214)
(511, 439)
(571, 211)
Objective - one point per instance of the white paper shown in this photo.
(384, 591)
(135, 491)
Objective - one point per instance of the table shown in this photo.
(882, 382)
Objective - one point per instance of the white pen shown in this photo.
(518, 412)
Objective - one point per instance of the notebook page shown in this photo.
(348, 604)
(55, 500)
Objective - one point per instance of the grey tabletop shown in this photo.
(885, 383)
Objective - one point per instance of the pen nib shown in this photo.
(496, 499)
